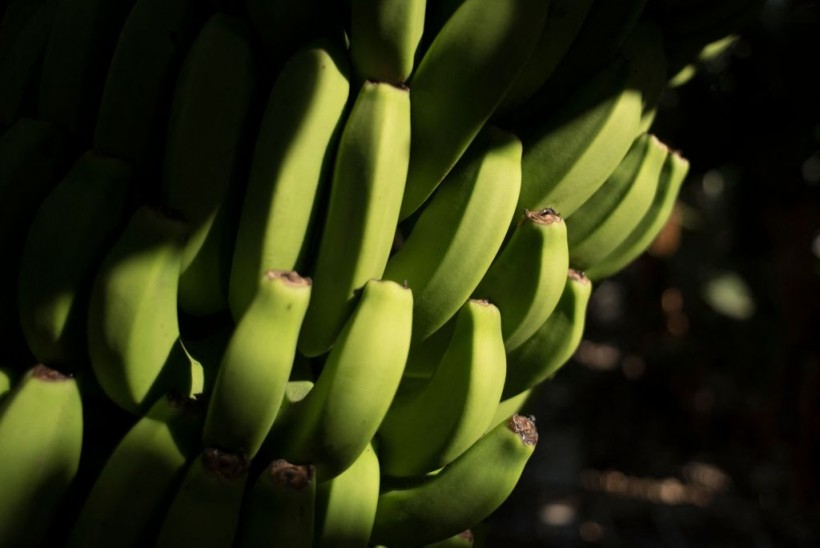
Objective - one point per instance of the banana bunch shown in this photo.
(276, 279)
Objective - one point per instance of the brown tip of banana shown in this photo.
(294, 477)
(289, 276)
(525, 428)
(225, 464)
(45, 373)
(546, 216)
(577, 276)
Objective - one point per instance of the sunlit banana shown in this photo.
(526, 280)
(638, 240)
(346, 505)
(342, 412)
(41, 428)
(280, 507)
(433, 508)
(426, 430)
(363, 209)
(292, 158)
(133, 332)
(384, 35)
(256, 365)
(618, 206)
(205, 509)
(68, 238)
(554, 343)
(460, 231)
(134, 488)
(460, 81)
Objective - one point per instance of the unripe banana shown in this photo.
(346, 505)
(134, 488)
(384, 35)
(292, 157)
(554, 343)
(526, 280)
(644, 48)
(205, 509)
(460, 81)
(342, 413)
(256, 365)
(460, 231)
(41, 428)
(68, 238)
(618, 206)
(133, 331)
(433, 508)
(639, 239)
(365, 195)
(279, 510)
(6, 381)
(425, 430)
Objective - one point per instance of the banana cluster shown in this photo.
(317, 262)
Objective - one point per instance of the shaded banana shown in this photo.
(365, 194)
(428, 429)
(459, 83)
(675, 169)
(71, 233)
(460, 231)
(511, 405)
(13, 19)
(433, 508)
(134, 488)
(618, 206)
(254, 370)
(292, 157)
(554, 343)
(526, 279)
(41, 425)
(644, 48)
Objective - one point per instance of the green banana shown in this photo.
(68, 238)
(526, 280)
(254, 371)
(459, 83)
(279, 510)
(296, 390)
(644, 48)
(346, 505)
(459, 233)
(41, 425)
(384, 35)
(433, 508)
(554, 343)
(341, 414)
(205, 509)
(363, 209)
(463, 539)
(675, 169)
(77, 56)
(133, 331)
(292, 158)
(137, 92)
(572, 153)
(6, 382)
(134, 487)
(618, 206)
(428, 429)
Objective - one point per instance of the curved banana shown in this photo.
(292, 157)
(280, 507)
(363, 209)
(149, 462)
(428, 429)
(618, 206)
(346, 505)
(68, 238)
(460, 81)
(205, 509)
(343, 411)
(674, 171)
(433, 508)
(554, 343)
(133, 331)
(254, 371)
(41, 425)
(384, 36)
(526, 280)
(460, 231)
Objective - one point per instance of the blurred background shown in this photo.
(690, 415)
